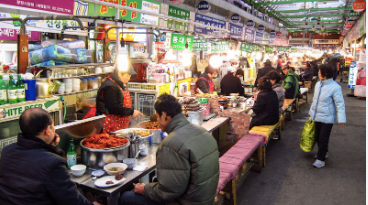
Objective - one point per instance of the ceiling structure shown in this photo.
(315, 16)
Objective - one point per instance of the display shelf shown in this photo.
(82, 76)
(72, 93)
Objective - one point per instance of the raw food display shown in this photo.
(149, 125)
(190, 104)
(103, 141)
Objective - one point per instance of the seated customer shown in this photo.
(275, 79)
(266, 106)
(32, 170)
(291, 83)
(187, 162)
(231, 84)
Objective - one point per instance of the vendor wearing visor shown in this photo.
(113, 100)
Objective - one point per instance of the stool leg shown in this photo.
(264, 155)
(234, 191)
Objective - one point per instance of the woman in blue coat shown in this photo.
(327, 108)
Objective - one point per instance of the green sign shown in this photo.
(9, 111)
(294, 50)
(269, 49)
(102, 10)
(199, 45)
(129, 15)
(220, 47)
(259, 48)
(282, 49)
(249, 48)
(178, 41)
(178, 13)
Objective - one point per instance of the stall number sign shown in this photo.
(138, 48)
(236, 31)
(247, 47)
(269, 49)
(178, 13)
(208, 21)
(178, 41)
(199, 45)
(353, 74)
(17, 111)
(220, 47)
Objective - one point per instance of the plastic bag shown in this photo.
(307, 139)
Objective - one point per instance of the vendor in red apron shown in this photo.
(113, 100)
(204, 82)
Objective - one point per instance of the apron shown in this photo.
(117, 122)
(211, 84)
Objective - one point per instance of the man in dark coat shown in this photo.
(263, 71)
(231, 84)
(187, 162)
(32, 170)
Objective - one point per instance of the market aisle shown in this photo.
(289, 177)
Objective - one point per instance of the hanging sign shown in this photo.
(269, 49)
(200, 45)
(176, 2)
(249, 35)
(138, 47)
(266, 36)
(259, 37)
(204, 7)
(153, 7)
(208, 21)
(178, 13)
(271, 40)
(178, 41)
(250, 24)
(353, 74)
(261, 28)
(235, 18)
(236, 31)
(249, 48)
(129, 15)
(273, 33)
(359, 5)
(61, 7)
(102, 10)
(220, 47)
(12, 34)
(326, 41)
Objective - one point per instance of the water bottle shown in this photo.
(71, 154)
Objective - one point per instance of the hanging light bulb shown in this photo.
(215, 61)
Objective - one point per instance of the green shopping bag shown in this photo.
(307, 140)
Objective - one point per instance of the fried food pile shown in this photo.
(149, 125)
(103, 141)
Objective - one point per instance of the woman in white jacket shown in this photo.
(327, 108)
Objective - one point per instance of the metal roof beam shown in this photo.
(313, 15)
(324, 24)
(330, 20)
(291, 2)
(314, 9)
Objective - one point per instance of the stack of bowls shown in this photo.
(68, 85)
(76, 84)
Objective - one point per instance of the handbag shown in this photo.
(307, 139)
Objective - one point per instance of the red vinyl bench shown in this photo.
(233, 164)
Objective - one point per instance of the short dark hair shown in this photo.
(274, 75)
(292, 68)
(169, 104)
(210, 70)
(326, 70)
(33, 121)
(264, 83)
(240, 72)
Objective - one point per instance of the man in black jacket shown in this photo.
(231, 84)
(263, 71)
(32, 170)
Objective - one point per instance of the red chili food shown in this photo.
(103, 141)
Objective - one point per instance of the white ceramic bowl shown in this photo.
(78, 170)
(111, 165)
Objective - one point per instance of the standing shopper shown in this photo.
(291, 83)
(275, 79)
(32, 170)
(327, 108)
(113, 100)
(187, 171)
(266, 106)
(263, 71)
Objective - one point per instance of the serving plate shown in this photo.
(101, 182)
(124, 132)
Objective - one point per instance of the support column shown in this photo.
(22, 53)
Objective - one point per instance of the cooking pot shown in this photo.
(98, 158)
(43, 86)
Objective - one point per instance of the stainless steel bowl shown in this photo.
(98, 158)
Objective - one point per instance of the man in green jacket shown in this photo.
(187, 162)
(291, 83)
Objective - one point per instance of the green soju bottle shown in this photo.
(3, 92)
(71, 154)
(21, 96)
(12, 91)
